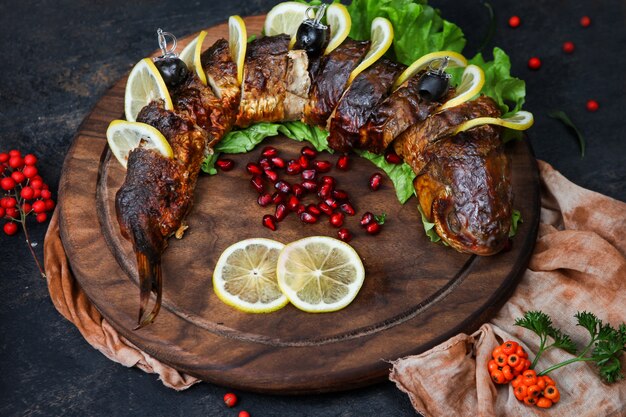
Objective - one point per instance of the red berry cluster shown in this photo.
(231, 400)
(24, 191)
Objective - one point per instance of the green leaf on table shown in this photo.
(301, 131)
(241, 141)
(516, 218)
(401, 175)
(208, 165)
(562, 116)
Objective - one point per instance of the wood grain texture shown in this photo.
(416, 293)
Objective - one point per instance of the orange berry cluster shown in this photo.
(535, 390)
(509, 361)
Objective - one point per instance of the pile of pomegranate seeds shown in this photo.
(306, 180)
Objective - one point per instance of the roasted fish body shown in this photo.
(464, 181)
(366, 91)
(331, 79)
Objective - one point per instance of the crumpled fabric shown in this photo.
(579, 263)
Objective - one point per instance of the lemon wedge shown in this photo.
(320, 274)
(144, 85)
(286, 18)
(340, 23)
(471, 84)
(124, 136)
(238, 43)
(455, 60)
(191, 56)
(245, 276)
(521, 120)
(382, 37)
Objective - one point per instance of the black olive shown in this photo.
(433, 86)
(312, 37)
(173, 70)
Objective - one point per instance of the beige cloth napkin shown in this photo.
(579, 263)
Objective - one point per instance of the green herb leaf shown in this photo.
(380, 219)
(251, 38)
(516, 218)
(208, 165)
(429, 228)
(401, 175)
(560, 115)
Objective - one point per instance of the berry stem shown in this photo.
(30, 247)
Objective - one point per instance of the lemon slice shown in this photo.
(191, 56)
(238, 43)
(320, 274)
(285, 18)
(455, 60)
(144, 85)
(245, 276)
(124, 136)
(521, 120)
(471, 84)
(340, 23)
(381, 36)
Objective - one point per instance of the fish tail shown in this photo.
(150, 282)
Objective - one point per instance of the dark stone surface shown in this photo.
(59, 57)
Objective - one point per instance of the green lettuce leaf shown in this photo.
(241, 141)
(208, 165)
(429, 228)
(301, 131)
(516, 218)
(401, 175)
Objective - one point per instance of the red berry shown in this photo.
(585, 21)
(340, 195)
(300, 209)
(309, 185)
(27, 193)
(10, 228)
(36, 183)
(375, 181)
(309, 174)
(325, 208)
(534, 63)
(303, 161)
(592, 105)
(18, 176)
(254, 169)
(278, 198)
(7, 183)
(265, 163)
(257, 183)
(26, 208)
(39, 206)
(514, 21)
(41, 217)
(11, 212)
(244, 413)
(264, 199)
(281, 212)
(269, 151)
(336, 219)
(45, 194)
(16, 162)
(230, 399)
(331, 202)
(325, 191)
(268, 221)
(294, 167)
(348, 209)
(3, 212)
(367, 218)
(308, 152)
(224, 164)
(36, 193)
(293, 203)
(568, 47)
(393, 158)
(278, 162)
(322, 166)
(327, 179)
(14, 152)
(30, 159)
(49, 204)
(314, 210)
(4, 157)
(343, 163)
(372, 228)
(283, 186)
(8, 202)
(298, 190)
(307, 217)
(344, 234)
(271, 175)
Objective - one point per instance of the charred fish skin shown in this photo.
(331, 79)
(354, 109)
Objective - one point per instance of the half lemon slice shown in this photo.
(191, 56)
(320, 274)
(144, 85)
(340, 23)
(124, 136)
(471, 83)
(238, 43)
(455, 60)
(521, 120)
(286, 18)
(382, 37)
(245, 276)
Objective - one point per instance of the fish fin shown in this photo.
(150, 282)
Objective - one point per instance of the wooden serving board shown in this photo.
(416, 294)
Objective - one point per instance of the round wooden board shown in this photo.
(416, 293)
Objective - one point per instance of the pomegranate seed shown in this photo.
(309, 174)
(336, 219)
(303, 161)
(514, 21)
(293, 202)
(331, 202)
(375, 181)
(308, 217)
(568, 47)
(340, 195)
(298, 190)
(592, 105)
(325, 191)
(343, 163)
(254, 169)
(585, 21)
(269, 221)
(269, 151)
(325, 208)
(294, 167)
(348, 209)
(314, 210)
(225, 164)
(278, 162)
(281, 212)
(344, 234)
(327, 179)
(393, 158)
(322, 166)
(308, 152)
(534, 63)
(300, 209)
(264, 199)
(309, 185)
(283, 186)
(271, 175)
(265, 163)
(257, 183)
(278, 198)
(366, 219)
(373, 228)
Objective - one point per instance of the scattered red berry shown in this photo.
(309, 174)
(244, 413)
(568, 47)
(230, 399)
(347, 208)
(308, 152)
(322, 166)
(254, 169)
(257, 184)
(534, 63)
(344, 234)
(281, 212)
(294, 167)
(336, 219)
(224, 164)
(264, 199)
(373, 228)
(307, 217)
(343, 163)
(10, 228)
(514, 21)
(298, 190)
(375, 181)
(303, 161)
(367, 218)
(340, 195)
(269, 151)
(309, 185)
(592, 105)
(271, 175)
(585, 21)
(393, 158)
